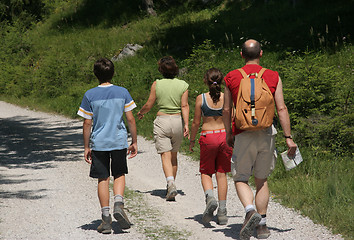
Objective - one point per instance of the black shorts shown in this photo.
(101, 161)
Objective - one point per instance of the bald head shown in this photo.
(251, 50)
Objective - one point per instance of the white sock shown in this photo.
(118, 198)
(249, 208)
(263, 220)
(105, 211)
(170, 180)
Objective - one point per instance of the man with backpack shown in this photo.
(253, 91)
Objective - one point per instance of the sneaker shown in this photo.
(221, 216)
(251, 221)
(120, 215)
(106, 225)
(171, 192)
(262, 232)
(211, 205)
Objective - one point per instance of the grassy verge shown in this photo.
(146, 218)
(319, 188)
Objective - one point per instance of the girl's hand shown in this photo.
(140, 115)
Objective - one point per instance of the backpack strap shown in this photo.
(260, 73)
(243, 73)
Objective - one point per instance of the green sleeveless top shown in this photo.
(169, 93)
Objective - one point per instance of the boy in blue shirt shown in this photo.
(103, 108)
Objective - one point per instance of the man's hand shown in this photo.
(132, 150)
(230, 140)
(291, 147)
(87, 154)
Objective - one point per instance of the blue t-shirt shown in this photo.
(105, 105)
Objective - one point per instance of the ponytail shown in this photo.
(213, 78)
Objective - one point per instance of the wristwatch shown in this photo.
(291, 137)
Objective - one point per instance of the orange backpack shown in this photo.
(255, 102)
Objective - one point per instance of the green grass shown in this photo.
(49, 67)
(321, 187)
(146, 218)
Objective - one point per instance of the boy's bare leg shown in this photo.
(118, 211)
(119, 185)
(221, 180)
(103, 191)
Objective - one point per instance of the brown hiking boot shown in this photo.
(106, 226)
(120, 215)
(171, 192)
(262, 232)
(251, 221)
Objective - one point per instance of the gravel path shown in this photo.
(46, 193)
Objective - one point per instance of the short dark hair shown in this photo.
(103, 70)
(251, 53)
(168, 67)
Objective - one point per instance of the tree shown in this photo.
(149, 5)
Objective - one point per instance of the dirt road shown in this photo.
(46, 193)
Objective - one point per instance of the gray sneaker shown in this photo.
(251, 221)
(106, 225)
(120, 215)
(171, 192)
(221, 216)
(211, 205)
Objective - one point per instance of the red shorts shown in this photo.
(215, 154)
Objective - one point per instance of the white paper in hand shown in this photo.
(290, 163)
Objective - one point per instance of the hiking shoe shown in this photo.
(251, 221)
(211, 205)
(120, 215)
(262, 232)
(171, 192)
(106, 225)
(221, 216)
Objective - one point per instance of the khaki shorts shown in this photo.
(253, 152)
(168, 133)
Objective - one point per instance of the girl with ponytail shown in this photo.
(215, 154)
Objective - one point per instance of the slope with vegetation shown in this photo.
(47, 49)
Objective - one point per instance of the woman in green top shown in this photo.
(171, 96)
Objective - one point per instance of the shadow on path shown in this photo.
(94, 225)
(161, 193)
(31, 143)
